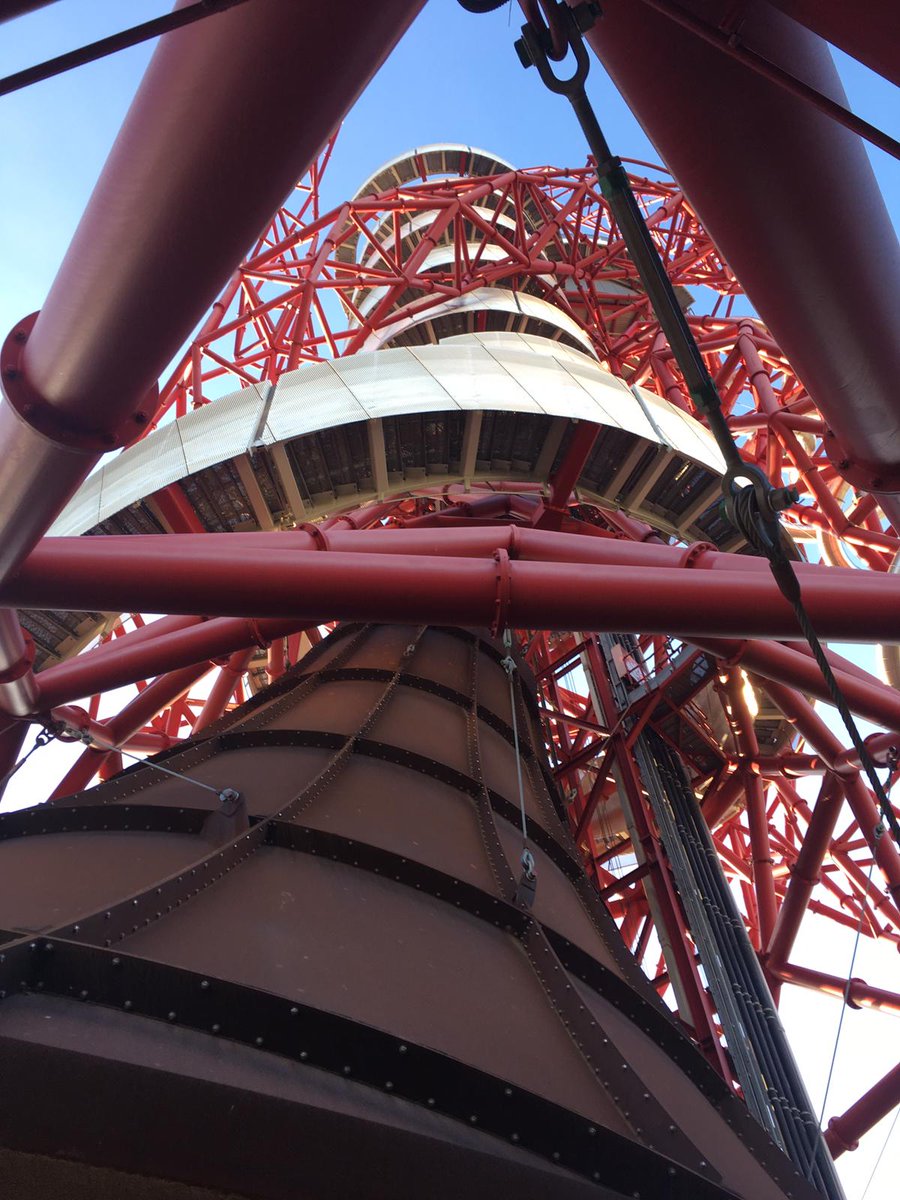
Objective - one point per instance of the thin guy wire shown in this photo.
(789, 585)
(840, 1026)
(148, 762)
(515, 727)
(881, 1153)
(862, 913)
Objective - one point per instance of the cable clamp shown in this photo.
(527, 886)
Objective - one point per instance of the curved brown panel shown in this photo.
(333, 982)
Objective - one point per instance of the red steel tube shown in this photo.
(166, 208)
(800, 712)
(719, 803)
(57, 558)
(805, 873)
(143, 741)
(121, 665)
(770, 660)
(119, 729)
(866, 31)
(223, 689)
(747, 155)
(857, 992)
(561, 595)
(844, 1132)
(763, 878)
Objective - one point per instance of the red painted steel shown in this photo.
(573, 566)
(845, 1131)
(82, 377)
(867, 31)
(443, 589)
(753, 196)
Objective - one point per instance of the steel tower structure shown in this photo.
(444, 407)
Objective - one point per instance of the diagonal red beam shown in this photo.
(119, 665)
(845, 1131)
(81, 378)
(120, 728)
(805, 872)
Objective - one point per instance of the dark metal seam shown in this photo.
(680, 1049)
(109, 925)
(634, 1098)
(73, 816)
(506, 916)
(93, 818)
(351, 1050)
(190, 753)
(490, 838)
(612, 1073)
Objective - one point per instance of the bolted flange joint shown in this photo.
(77, 435)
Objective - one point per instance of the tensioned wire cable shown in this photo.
(752, 507)
(884, 1147)
(879, 832)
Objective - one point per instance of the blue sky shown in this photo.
(455, 77)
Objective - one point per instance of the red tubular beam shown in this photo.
(153, 699)
(80, 774)
(800, 712)
(55, 558)
(143, 742)
(769, 149)
(804, 874)
(120, 729)
(763, 879)
(873, 700)
(866, 31)
(223, 689)
(717, 805)
(275, 660)
(857, 992)
(841, 604)
(573, 464)
(844, 1132)
(18, 690)
(881, 746)
(82, 379)
(121, 665)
